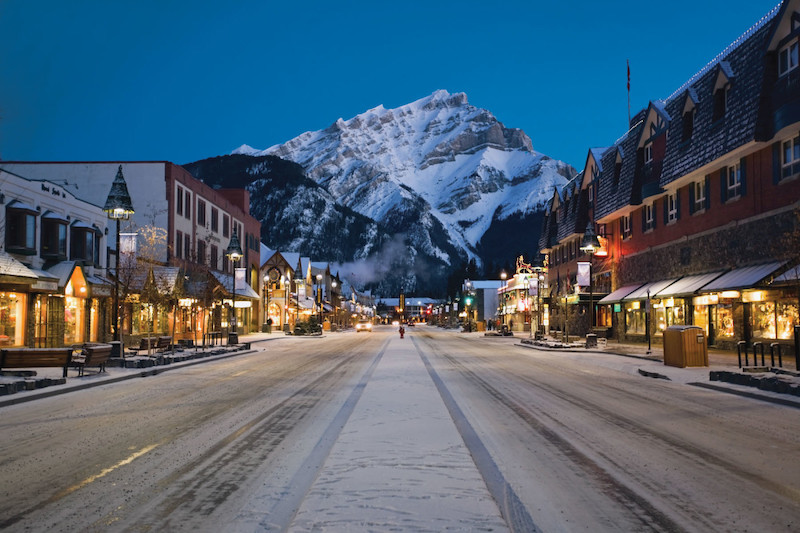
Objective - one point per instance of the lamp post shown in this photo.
(528, 305)
(319, 300)
(503, 277)
(266, 303)
(335, 303)
(590, 245)
(234, 253)
(118, 207)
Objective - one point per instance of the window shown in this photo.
(214, 219)
(688, 124)
(187, 246)
(178, 244)
(226, 226)
(20, 228)
(649, 217)
(54, 237)
(787, 59)
(672, 208)
(214, 257)
(591, 193)
(201, 212)
(790, 161)
(179, 202)
(734, 183)
(699, 188)
(201, 252)
(720, 103)
(648, 152)
(188, 211)
(625, 222)
(81, 242)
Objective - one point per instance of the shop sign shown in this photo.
(101, 291)
(45, 286)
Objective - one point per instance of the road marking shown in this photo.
(104, 472)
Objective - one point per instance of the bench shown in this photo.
(36, 358)
(92, 355)
(156, 344)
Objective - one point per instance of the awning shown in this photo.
(100, 287)
(47, 282)
(653, 288)
(52, 215)
(687, 285)
(790, 276)
(22, 206)
(743, 278)
(243, 290)
(13, 271)
(619, 294)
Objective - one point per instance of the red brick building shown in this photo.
(697, 202)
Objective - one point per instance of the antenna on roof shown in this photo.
(628, 62)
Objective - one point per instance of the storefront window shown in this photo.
(787, 319)
(724, 324)
(774, 320)
(634, 319)
(764, 320)
(11, 318)
(73, 320)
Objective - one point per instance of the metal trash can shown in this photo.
(685, 346)
(233, 338)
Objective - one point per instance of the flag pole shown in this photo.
(628, 62)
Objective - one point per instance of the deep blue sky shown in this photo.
(185, 80)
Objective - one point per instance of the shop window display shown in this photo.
(723, 326)
(634, 319)
(11, 318)
(774, 320)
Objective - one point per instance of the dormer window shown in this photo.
(720, 103)
(688, 124)
(617, 168)
(648, 152)
(788, 58)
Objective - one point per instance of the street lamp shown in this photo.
(234, 253)
(334, 303)
(118, 207)
(590, 245)
(528, 305)
(503, 277)
(319, 300)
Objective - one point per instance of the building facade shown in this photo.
(178, 222)
(696, 204)
(53, 285)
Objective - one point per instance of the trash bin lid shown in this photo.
(683, 328)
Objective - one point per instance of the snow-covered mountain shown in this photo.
(435, 165)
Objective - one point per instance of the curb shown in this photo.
(151, 371)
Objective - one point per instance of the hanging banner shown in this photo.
(584, 273)
(533, 290)
(240, 278)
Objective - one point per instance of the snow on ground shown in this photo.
(399, 462)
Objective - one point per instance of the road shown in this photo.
(363, 432)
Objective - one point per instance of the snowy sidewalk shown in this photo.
(399, 462)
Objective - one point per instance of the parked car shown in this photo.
(364, 325)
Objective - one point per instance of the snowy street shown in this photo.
(368, 432)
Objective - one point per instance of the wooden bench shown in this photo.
(92, 355)
(156, 344)
(36, 358)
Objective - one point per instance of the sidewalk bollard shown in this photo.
(739, 346)
(772, 353)
(756, 346)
